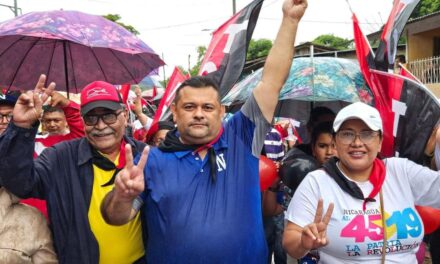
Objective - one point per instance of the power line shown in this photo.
(195, 22)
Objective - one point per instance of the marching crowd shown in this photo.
(190, 193)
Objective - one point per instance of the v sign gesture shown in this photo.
(314, 235)
(29, 106)
(117, 208)
(298, 241)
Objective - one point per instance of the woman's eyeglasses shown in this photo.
(107, 118)
(348, 136)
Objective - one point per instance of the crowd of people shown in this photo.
(75, 187)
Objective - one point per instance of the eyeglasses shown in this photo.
(107, 118)
(7, 116)
(348, 136)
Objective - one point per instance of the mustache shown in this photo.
(103, 132)
(198, 123)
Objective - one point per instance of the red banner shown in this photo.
(177, 78)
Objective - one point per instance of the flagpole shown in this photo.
(349, 6)
(163, 70)
(233, 7)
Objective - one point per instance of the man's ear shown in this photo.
(173, 111)
(125, 113)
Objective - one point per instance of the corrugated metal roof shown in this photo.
(412, 20)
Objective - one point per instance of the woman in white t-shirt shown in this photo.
(357, 189)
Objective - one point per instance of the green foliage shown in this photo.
(426, 7)
(201, 50)
(332, 41)
(115, 18)
(258, 48)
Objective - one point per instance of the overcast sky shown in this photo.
(174, 28)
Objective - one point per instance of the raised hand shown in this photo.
(294, 9)
(57, 99)
(129, 182)
(314, 235)
(29, 105)
(137, 101)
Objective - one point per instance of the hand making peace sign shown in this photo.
(29, 105)
(129, 182)
(314, 235)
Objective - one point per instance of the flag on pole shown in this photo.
(408, 109)
(411, 113)
(386, 52)
(176, 79)
(226, 54)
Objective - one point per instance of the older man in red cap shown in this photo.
(74, 176)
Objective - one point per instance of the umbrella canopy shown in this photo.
(312, 79)
(72, 49)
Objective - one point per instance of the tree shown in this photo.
(115, 18)
(330, 40)
(194, 71)
(425, 7)
(258, 48)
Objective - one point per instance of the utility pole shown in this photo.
(233, 7)
(13, 8)
(189, 64)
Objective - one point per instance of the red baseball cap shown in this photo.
(100, 94)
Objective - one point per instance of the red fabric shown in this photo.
(377, 177)
(406, 73)
(140, 134)
(121, 160)
(281, 130)
(385, 89)
(125, 88)
(298, 138)
(210, 144)
(214, 54)
(363, 51)
(382, 92)
(154, 92)
(99, 91)
(175, 80)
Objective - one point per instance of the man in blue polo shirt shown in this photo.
(201, 186)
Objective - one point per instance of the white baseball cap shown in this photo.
(362, 111)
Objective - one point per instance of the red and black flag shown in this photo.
(226, 54)
(410, 115)
(176, 79)
(386, 52)
(408, 109)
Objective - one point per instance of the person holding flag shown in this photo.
(201, 186)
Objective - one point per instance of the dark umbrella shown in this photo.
(72, 49)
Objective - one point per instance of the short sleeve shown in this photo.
(253, 112)
(302, 207)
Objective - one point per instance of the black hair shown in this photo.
(165, 125)
(316, 113)
(197, 82)
(51, 109)
(402, 58)
(321, 128)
